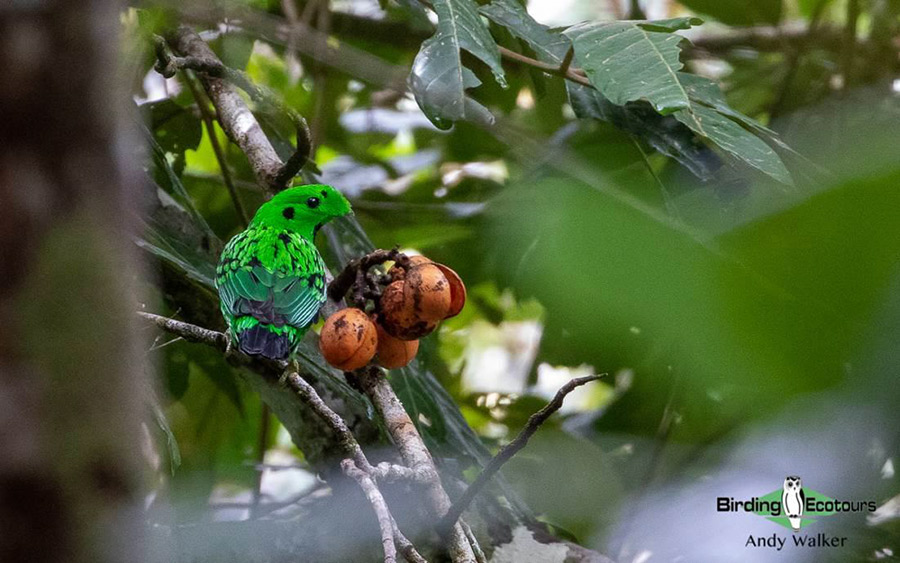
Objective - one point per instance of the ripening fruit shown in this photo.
(429, 291)
(392, 352)
(398, 315)
(457, 290)
(348, 339)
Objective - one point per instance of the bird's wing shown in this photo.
(289, 293)
(299, 299)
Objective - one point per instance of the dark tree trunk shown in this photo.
(70, 408)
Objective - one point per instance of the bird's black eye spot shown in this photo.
(313, 202)
(288, 212)
(324, 193)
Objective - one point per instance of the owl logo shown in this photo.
(793, 500)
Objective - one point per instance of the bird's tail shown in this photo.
(269, 341)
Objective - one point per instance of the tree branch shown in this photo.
(379, 506)
(508, 451)
(234, 116)
(311, 398)
(347, 441)
(191, 333)
(409, 551)
(357, 458)
(415, 455)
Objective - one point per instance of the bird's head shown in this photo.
(303, 209)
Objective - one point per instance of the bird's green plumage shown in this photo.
(271, 278)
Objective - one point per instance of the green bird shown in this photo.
(271, 278)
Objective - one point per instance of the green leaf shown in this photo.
(165, 236)
(177, 129)
(170, 181)
(705, 92)
(663, 133)
(549, 46)
(416, 13)
(670, 25)
(738, 12)
(735, 139)
(630, 61)
(439, 80)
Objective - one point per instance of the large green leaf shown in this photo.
(176, 128)
(549, 46)
(609, 51)
(663, 133)
(439, 80)
(733, 138)
(706, 112)
(630, 61)
(707, 93)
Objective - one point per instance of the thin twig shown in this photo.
(187, 331)
(573, 74)
(207, 118)
(508, 451)
(379, 506)
(217, 340)
(343, 434)
(479, 554)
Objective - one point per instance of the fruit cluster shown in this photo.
(417, 296)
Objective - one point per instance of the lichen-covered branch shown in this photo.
(341, 431)
(415, 455)
(309, 396)
(187, 331)
(234, 116)
(357, 458)
(379, 506)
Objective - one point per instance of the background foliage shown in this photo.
(712, 221)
